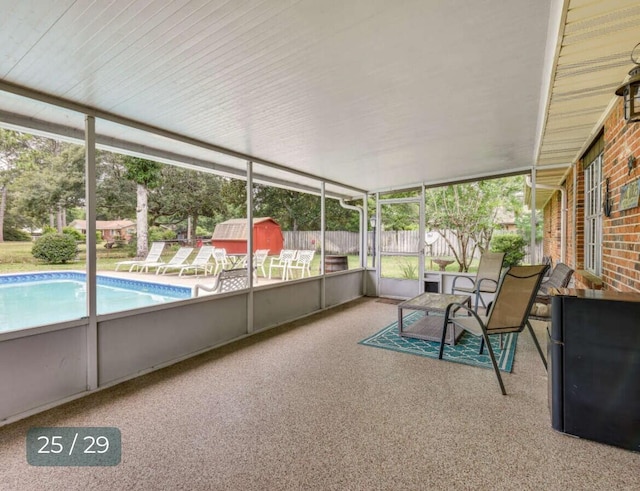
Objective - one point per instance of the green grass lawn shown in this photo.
(15, 257)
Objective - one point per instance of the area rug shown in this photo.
(465, 351)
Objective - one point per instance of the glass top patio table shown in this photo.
(430, 326)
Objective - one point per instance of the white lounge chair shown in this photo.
(178, 259)
(201, 261)
(152, 257)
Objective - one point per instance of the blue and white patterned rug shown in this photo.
(465, 351)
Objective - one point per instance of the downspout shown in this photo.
(563, 213)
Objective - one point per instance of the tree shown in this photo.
(51, 181)
(468, 211)
(186, 194)
(115, 194)
(146, 175)
(293, 210)
(523, 225)
(12, 147)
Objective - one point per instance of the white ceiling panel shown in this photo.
(373, 94)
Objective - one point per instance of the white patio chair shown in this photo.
(259, 258)
(282, 262)
(228, 280)
(220, 258)
(153, 256)
(301, 263)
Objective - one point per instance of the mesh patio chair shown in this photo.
(560, 277)
(486, 280)
(301, 263)
(228, 280)
(153, 256)
(509, 312)
(282, 262)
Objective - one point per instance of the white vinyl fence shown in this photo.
(401, 241)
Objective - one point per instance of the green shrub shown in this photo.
(15, 235)
(159, 233)
(55, 248)
(74, 232)
(513, 247)
(203, 232)
(47, 229)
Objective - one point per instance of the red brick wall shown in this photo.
(552, 232)
(621, 231)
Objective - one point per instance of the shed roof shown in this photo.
(236, 228)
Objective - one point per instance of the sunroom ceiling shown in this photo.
(369, 95)
(372, 94)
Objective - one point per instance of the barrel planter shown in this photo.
(335, 263)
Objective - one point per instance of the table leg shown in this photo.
(400, 321)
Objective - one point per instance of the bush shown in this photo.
(15, 235)
(74, 232)
(513, 247)
(55, 248)
(160, 233)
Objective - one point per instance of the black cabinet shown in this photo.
(594, 366)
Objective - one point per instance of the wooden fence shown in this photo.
(400, 241)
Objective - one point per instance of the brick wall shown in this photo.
(621, 231)
(552, 233)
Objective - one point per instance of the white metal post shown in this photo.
(250, 245)
(322, 245)
(532, 246)
(90, 241)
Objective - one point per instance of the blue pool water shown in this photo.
(28, 300)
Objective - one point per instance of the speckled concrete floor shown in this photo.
(306, 407)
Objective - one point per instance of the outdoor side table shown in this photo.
(430, 326)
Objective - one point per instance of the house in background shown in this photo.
(110, 230)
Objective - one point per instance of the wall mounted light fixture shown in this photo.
(607, 204)
(630, 91)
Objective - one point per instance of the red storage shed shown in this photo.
(232, 235)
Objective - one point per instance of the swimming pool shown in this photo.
(28, 300)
